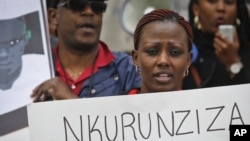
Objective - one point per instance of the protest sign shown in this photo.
(202, 114)
(25, 61)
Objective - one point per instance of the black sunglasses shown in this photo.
(80, 5)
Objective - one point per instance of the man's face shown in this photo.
(79, 27)
(12, 42)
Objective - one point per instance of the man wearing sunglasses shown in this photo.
(84, 65)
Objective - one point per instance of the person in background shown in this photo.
(84, 65)
(162, 51)
(220, 62)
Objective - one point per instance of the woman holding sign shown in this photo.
(162, 51)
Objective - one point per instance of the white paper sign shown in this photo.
(25, 62)
(203, 114)
(34, 61)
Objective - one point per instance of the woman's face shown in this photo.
(162, 56)
(212, 13)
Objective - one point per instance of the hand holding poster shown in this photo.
(203, 114)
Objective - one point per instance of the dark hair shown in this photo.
(243, 29)
(161, 15)
(52, 3)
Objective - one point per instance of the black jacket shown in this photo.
(211, 71)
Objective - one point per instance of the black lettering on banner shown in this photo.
(150, 127)
(198, 121)
(239, 132)
(66, 124)
(106, 129)
(129, 125)
(165, 126)
(177, 132)
(158, 122)
(209, 127)
(239, 115)
(92, 128)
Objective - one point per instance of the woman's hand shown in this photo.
(55, 88)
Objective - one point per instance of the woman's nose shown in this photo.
(220, 6)
(163, 59)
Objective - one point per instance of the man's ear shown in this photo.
(135, 57)
(53, 23)
(52, 15)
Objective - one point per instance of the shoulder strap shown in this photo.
(196, 76)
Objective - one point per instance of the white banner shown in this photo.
(203, 114)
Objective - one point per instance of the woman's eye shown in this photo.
(225, 1)
(212, 1)
(152, 51)
(229, 1)
(175, 53)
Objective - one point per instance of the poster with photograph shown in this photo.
(25, 59)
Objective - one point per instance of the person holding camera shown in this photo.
(220, 61)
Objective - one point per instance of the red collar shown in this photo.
(134, 91)
(104, 58)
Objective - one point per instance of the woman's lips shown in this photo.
(163, 77)
(220, 21)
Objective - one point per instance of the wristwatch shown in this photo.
(236, 67)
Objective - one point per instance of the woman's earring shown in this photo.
(186, 72)
(137, 69)
(237, 21)
(197, 22)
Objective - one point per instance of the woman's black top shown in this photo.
(211, 71)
